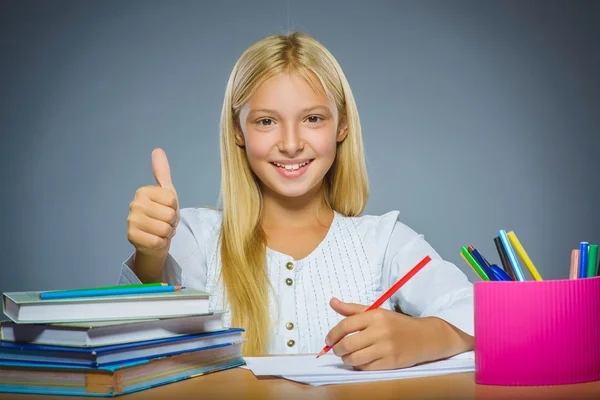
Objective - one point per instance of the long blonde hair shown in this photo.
(243, 253)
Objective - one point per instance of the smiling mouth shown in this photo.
(291, 167)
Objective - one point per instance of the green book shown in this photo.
(26, 307)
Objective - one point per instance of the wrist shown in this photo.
(149, 267)
(443, 340)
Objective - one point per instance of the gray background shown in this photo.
(476, 116)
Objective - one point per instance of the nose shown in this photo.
(291, 141)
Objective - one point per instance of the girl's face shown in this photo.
(290, 133)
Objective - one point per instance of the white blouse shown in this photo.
(357, 261)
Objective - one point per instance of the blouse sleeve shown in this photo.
(186, 263)
(440, 289)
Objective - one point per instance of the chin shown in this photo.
(291, 189)
(292, 192)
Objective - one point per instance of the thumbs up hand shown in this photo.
(154, 212)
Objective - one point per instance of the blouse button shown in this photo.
(289, 326)
(291, 343)
(289, 281)
(289, 266)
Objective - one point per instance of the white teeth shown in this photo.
(291, 167)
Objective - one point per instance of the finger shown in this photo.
(155, 211)
(346, 326)
(159, 195)
(152, 226)
(353, 343)
(162, 170)
(145, 240)
(346, 309)
(361, 357)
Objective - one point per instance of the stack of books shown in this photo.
(111, 341)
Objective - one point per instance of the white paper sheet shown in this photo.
(329, 369)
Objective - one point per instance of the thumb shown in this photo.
(161, 169)
(346, 309)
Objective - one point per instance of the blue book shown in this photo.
(119, 378)
(113, 354)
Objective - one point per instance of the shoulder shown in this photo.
(203, 218)
(381, 227)
(198, 229)
(380, 232)
(369, 224)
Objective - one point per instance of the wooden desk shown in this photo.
(239, 383)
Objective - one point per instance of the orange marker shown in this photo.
(574, 264)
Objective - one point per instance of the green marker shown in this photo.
(474, 264)
(592, 260)
(137, 285)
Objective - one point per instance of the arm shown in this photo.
(185, 264)
(439, 290)
(148, 268)
(436, 319)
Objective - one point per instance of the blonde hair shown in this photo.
(243, 253)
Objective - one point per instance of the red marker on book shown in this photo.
(390, 292)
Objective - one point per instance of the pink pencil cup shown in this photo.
(537, 332)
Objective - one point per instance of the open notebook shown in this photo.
(329, 369)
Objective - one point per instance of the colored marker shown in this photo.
(583, 259)
(592, 260)
(471, 248)
(108, 292)
(481, 261)
(135, 285)
(500, 274)
(473, 268)
(464, 251)
(510, 253)
(512, 237)
(574, 273)
(503, 258)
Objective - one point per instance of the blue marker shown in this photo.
(500, 273)
(510, 253)
(583, 259)
(494, 276)
(485, 266)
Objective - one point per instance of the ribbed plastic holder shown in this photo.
(537, 332)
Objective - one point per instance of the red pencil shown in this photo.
(390, 292)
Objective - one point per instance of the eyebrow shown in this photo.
(304, 111)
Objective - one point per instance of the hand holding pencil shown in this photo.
(371, 338)
(382, 298)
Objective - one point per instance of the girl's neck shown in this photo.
(297, 212)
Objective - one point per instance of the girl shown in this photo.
(289, 256)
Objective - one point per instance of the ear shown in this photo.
(342, 129)
(239, 135)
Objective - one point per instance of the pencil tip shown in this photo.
(320, 354)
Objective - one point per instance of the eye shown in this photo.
(266, 122)
(313, 119)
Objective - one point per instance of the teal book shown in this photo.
(116, 379)
(27, 307)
